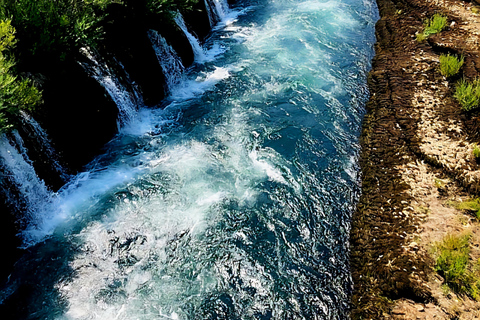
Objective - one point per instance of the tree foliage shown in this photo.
(58, 26)
(15, 93)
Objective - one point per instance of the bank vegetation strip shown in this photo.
(415, 235)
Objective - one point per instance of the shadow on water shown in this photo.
(31, 291)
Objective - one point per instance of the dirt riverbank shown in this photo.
(416, 161)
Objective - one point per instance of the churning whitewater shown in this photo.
(232, 200)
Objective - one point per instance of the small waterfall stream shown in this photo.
(217, 11)
(41, 136)
(127, 100)
(198, 51)
(167, 57)
(31, 193)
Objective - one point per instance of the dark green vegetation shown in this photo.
(39, 33)
(15, 93)
(55, 27)
(452, 262)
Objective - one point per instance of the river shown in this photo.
(231, 200)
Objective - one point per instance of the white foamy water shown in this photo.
(32, 195)
(198, 51)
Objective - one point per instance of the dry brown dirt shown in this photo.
(416, 158)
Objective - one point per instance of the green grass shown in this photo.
(468, 94)
(431, 26)
(472, 205)
(476, 152)
(452, 262)
(450, 65)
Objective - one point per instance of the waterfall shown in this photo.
(217, 11)
(167, 57)
(19, 171)
(198, 51)
(126, 101)
(42, 139)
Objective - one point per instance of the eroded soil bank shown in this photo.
(417, 160)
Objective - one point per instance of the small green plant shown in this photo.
(468, 94)
(440, 184)
(421, 37)
(450, 65)
(476, 152)
(431, 26)
(452, 262)
(472, 205)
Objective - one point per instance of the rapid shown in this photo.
(230, 200)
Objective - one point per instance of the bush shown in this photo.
(450, 65)
(431, 26)
(468, 94)
(452, 262)
(472, 205)
(15, 93)
(58, 27)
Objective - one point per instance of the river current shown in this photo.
(231, 200)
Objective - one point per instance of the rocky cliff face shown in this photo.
(78, 114)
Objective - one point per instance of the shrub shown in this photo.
(452, 262)
(15, 93)
(468, 94)
(58, 27)
(450, 65)
(431, 26)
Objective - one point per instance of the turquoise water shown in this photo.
(230, 201)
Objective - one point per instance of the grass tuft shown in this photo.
(431, 26)
(468, 94)
(476, 152)
(472, 205)
(452, 262)
(450, 65)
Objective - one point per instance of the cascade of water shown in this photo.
(211, 17)
(217, 10)
(126, 100)
(167, 57)
(198, 51)
(32, 191)
(42, 138)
